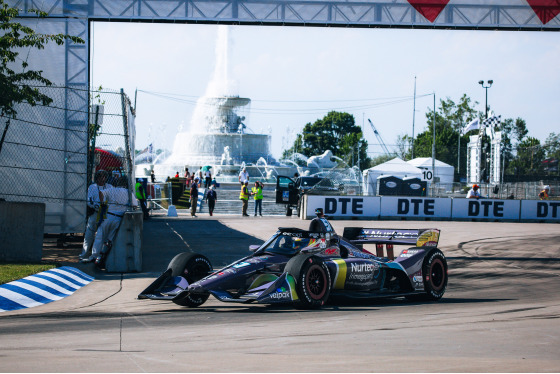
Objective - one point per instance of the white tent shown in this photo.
(395, 167)
(444, 171)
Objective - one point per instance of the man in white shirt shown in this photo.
(473, 193)
(117, 199)
(96, 211)
(244, 176)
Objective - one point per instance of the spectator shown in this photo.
(244, 176)
(153, 176)
(257, 193)
(194, 197)
(96, 210)
(211, 198)
(141, 196)
(473, 193)
(117, 200)
(543, 195)
(244, 197)
(207, 178)
(177, 175)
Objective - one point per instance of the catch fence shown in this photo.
(46, 155)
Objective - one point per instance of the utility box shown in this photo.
(21, 231)
(126, 254)
(388, 185)
(413, 186)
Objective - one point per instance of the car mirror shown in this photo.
(254, 247)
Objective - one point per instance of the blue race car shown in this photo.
(306, 267)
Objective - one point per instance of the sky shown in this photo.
(296, 75)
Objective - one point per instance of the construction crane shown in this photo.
(379, 139)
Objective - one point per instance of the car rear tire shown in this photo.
(312, 278)
(434, 275)
(193, 267)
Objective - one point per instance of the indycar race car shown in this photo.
(306, 267)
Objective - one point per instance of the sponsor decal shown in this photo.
(241, 265)
(364, 267)
(281, 293)
(409, 253)
(417, 278)
(391, 184)
(331, 251)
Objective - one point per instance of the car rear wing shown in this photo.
(416, 237)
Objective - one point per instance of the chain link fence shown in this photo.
(45, 155)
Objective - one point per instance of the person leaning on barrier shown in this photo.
(117, 200)
(473, 192)
(543, 195)
(141, 196)
(96, 210)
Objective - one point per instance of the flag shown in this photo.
(473, 125)
(148, 149)
(492, 121)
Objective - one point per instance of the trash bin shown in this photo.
(388, 185)
(413, 186)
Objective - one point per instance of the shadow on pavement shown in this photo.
(165, 238)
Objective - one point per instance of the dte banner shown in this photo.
(344, 206)
(540, 210)
(507, 210)
(415, 207)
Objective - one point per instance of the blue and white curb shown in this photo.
(42, 288)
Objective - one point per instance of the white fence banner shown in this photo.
(486, 209)
(415, 207)
(540, 210)
(344, 206)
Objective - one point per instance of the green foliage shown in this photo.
(12, 272)
(450, 118)
(530, 155)
(336, 132)
(17, 84)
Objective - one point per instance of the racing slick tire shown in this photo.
(193, 267)
(312, 278)
(434, 275)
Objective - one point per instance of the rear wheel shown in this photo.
(193, 267)
(313, 280)
(434, 275)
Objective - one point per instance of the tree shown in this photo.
(450, 118)
(511, 130)
(530, 155)
(17, 84)
(336, 132)
(552, 149)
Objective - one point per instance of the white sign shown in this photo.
(486, 209)
(415, 207)
(540, 210)
(344, 206)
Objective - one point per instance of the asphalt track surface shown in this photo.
(500, 313)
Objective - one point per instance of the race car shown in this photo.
(306, 267)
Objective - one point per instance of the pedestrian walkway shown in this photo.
(42, 288)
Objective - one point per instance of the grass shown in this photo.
(12, 272)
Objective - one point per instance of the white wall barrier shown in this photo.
(485, 209)
(414, 207)
(395, 207)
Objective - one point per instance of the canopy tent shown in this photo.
(395, 167)
(443, 171)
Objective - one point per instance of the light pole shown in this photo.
(490, 81)
(489, 84)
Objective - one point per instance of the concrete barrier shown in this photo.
(126, 254)
(21, 231)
